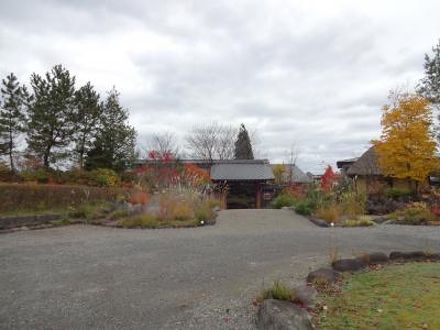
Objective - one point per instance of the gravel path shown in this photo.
(204, 278)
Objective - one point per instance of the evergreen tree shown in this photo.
(243, 146)
(12, 115)
(429, 86)
(114, 146)
(3, 137)
(51, 114)
(88, 112)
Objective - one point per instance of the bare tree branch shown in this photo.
(212, 141)
(163, 143)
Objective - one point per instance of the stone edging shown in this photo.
(318, 222)
(277, 314)
(379, 221)
(10, 222)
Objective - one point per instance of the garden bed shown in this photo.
(43, 221)
(343, 206)
(112, 214)
(401, 296)
(162, 203)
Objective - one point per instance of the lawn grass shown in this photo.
(395, 297)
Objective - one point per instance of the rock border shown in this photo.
(18, 221)
(379, 220)
(282, 315)
(324, 224)
(110, 224)
(318, 222)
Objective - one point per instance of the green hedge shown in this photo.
(283, 200)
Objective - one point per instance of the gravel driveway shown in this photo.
(205, 278)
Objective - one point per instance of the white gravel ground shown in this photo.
(202, 278)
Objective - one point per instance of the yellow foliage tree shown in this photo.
(278, 172)
(407, 147)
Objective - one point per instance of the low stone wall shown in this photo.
(10, 222)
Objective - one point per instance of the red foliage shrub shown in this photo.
(435, 209)
(139, 197)
(165, 172)
(327, 179)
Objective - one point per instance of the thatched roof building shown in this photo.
(367, 164)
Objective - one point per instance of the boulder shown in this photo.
(375, 258)
(306, 296)
(282, 315)
(409, 256)
(325, 275)
(349, 265)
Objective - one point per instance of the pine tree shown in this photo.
(429, 86)
(51, 114)
(3, 137)
(87, 119)
(243, 146)
(114, 146)
(12, 115)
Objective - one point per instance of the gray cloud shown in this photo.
(310, 73)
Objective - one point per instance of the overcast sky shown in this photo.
(310, 73)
